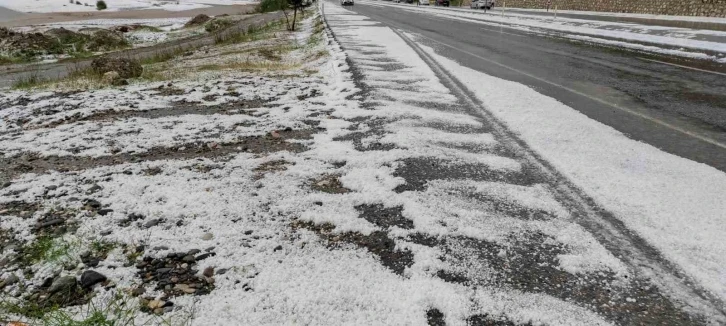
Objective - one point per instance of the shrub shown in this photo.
(101, 5)
(272, 5)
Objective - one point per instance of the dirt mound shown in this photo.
(68, 37)
(106, 40)
(126, 68)
(198, 20)
(27, 44)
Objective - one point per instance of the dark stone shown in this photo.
(193, 252)
(222, 271)
(208, 272)
(163, 270)
(278, 248)
(248, 232)
(90, 278)
(204, 256)
(105, 211)
(188, 259)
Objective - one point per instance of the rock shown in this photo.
(163, 270)
(152, 223)
(138, 291)
(208, 272)
(159, 311)
(197, 20)
(275, 134)
(184, 288)
(105, 211)
(64, 284)
(106, 232)
(126, 68)
(189, 259)
(193, 252)
(278, 248)
(207, 236)
(248, 232)
(90, 278)
(168, 309)
(153, 304)
(204, 256)
(222, 271)
(109, 78)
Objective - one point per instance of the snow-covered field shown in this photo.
(113, 5)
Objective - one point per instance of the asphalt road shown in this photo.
(680, 110)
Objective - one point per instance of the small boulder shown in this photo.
(63, 284)
(110, 77)
(197, 20)
(90, 278)
(126, 68)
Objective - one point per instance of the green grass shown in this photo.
(46, 248)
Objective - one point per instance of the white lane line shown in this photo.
(574, 91)
(684, 67)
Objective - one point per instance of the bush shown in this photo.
(101, 5)
(272, 5)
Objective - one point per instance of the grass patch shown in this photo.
(27, 82)
(46, 248)
(163, 56)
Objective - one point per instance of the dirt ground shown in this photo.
(9, 18)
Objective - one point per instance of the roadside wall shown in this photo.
(711, 8)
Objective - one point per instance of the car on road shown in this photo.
(423, 2)
(442, 3)
(346, 2)
(482, 4)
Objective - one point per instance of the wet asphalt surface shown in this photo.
(604, 80)
(530, 263)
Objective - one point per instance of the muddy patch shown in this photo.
(377, 243)
(384, 217)
(329, 184)
(419, 171)
(13, 167)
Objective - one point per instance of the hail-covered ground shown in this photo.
(327, 176)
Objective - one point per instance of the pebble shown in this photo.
(207, 236)
(188, 259)
(138, 291)
(168, 309)
(184, 288)
(193, 252)
(152, 223)
(279, 247)
(222, 271)
(153, 304)
(208, 272)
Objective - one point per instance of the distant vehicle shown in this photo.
(482, 4)
(443, 3)
(423, 2)
(346, 2)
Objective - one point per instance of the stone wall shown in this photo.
(711, 8)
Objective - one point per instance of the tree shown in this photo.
(101, 5)
(295, 5)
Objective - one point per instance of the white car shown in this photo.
(423, 2)
(482, 4)
(346, 2)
